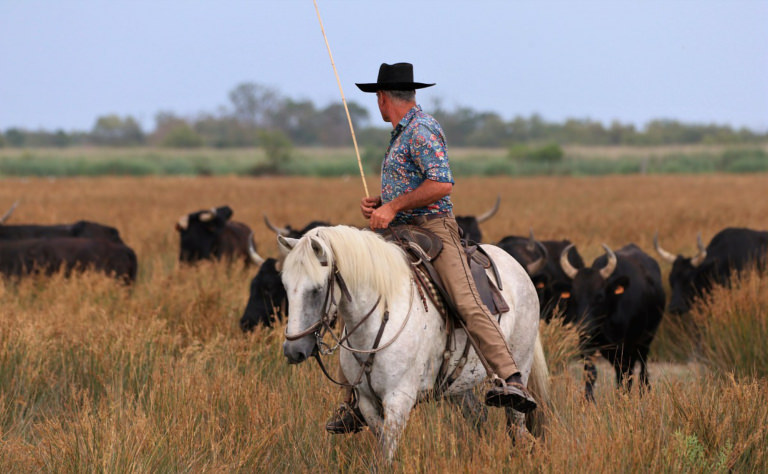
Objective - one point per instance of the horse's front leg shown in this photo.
(474, 412)
(396, 407)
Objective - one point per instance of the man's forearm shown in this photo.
(429, 192)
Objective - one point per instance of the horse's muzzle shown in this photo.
(300, 350)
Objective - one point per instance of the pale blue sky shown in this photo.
(65, 62)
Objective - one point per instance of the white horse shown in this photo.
(374, 284)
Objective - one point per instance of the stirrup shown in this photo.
(347, 419)
(510, 394)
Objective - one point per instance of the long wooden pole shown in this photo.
(343, 100)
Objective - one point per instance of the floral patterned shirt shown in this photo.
(416, 152)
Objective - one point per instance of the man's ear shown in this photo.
(285, 244)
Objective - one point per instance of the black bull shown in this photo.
(731, 250)
(618, 303)
(48, 255)
(541, 259)
(84, 229)
(209, 234)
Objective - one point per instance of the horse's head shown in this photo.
(307, 278)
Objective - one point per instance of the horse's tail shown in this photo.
(538, 385)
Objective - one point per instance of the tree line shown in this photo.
(258, 115)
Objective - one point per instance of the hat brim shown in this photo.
(392, 86)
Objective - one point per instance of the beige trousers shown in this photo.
(453, 268)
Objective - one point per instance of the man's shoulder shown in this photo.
(424, 120)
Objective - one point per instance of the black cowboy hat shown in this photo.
(394, 77)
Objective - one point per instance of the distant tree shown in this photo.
(61, 139)
(619, 133)
(225, 132)
(174, 132)
(112, 130)
(15, 137)
(182, 136)
(550, 153)
(490, 131)
(255, 104)
(2, 140)
(299, 119)
(334, 126)
(277, 147)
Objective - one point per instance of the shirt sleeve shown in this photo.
(429, 153)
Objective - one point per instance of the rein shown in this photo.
(328, 319)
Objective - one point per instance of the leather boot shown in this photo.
(346, 420)
(512, 393)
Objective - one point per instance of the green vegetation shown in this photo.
(278, 156)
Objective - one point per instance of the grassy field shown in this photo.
(159, 378)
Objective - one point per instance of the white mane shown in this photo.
(362, 257)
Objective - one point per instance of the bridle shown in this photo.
(327, 320)
(330, 308)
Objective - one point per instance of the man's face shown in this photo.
(381, 100)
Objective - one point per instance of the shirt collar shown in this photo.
(405, 120)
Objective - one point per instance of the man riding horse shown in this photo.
(416, 183)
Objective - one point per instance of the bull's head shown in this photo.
(200, 232)
(683, 278)
(267, 297)
(596, 290)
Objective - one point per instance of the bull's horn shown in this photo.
(696, 261)
(8, 214)
(662, 253)
(255, 257)
(490, 213)
(183, 223)
(206, 216)
(536, 266)
(609, 267)
(565, 264)
(531, 245)
(277, 230)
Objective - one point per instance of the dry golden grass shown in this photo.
(158, 377)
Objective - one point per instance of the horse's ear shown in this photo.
(319, 251)
(285, 244)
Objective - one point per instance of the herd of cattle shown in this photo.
(618, 300)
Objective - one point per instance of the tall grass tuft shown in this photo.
(733, 326)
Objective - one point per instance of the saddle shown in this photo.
(423, 246)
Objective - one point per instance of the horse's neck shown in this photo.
(366, 312)
(365, 303)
